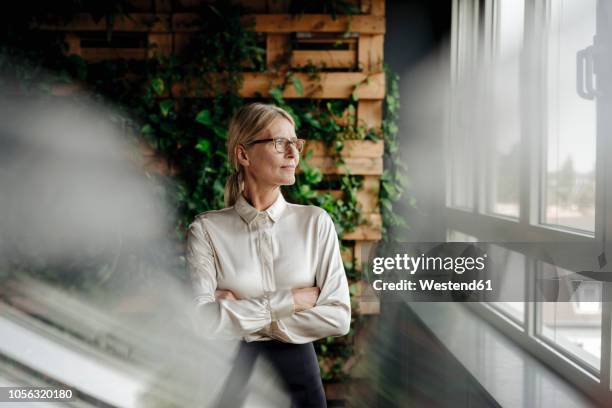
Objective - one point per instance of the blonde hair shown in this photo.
(248, 122)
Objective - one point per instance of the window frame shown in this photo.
(489, 227)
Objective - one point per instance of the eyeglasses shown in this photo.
(281, 144)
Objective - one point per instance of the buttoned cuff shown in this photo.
(280, 303)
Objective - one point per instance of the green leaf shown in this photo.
(147, 130)
(158, 86)
(297, 84)
(277, 94)
(165, 107)
(204, 118)
(203, 146)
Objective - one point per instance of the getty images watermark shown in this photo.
(486, 271)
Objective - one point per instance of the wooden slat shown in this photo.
(370, 54)
(326, 58)
(101, 54)
(137, 22)
(181, 42)
(336, 41)
(370, 114)
(264, 23)
(352, 165)
(163, 6)
(277, 46)
(347, 254)
(366, 200)
(260, 6)
(368, 307)
(370, 231)
(323, 23)
(277, 6)
(367, 195)
(352, 148)
(362, 251)
(366, 6)
(377, 7)
(336, 194)
(330, 85)
(74, 44)
(159, 44)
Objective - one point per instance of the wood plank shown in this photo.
(368, 307)
(252, 6)
(367, 201)
(336, 194)
(352, 165)
(74, 44)
(329, 42)
(347, 254)
(370, 114)
(264, 23)
(335, 391)
(362, 252)
(159, 44)
(277, 6)
(352, 148)
(330, 85)
(101, 54)
(324, 59)
(277, 49)
(367, 195)
(377, 7)
(370, 54)
(137, 22)
(366, 6)
(323, 23)
(181, 42)
(369, 231)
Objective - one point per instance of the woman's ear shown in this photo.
(242, 156)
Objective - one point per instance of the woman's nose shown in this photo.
(292, 151)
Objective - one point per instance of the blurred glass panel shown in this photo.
(458, 236)
(93, 288)
(503, 158)
(569, 173)
(460, 138)
(574, 326)
(508, 269)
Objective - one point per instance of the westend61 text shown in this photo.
(430, 284)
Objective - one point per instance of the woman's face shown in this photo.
(267, 166)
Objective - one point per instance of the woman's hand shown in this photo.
(225, 294)
(305, 298)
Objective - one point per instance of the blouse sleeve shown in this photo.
(226, 318)
(331, 316)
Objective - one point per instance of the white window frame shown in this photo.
(493, 228)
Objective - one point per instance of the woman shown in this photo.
(265, 270)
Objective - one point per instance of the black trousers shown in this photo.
(296, 365)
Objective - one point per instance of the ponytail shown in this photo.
(233, 187)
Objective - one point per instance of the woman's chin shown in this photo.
(287, 181)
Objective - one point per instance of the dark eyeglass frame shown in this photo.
(298, 143)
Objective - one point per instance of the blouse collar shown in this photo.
(248, 212)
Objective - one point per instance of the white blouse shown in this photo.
(261, 256)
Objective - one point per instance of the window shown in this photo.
(537, 175)
(569, 171)
(501, 184)
(573, 327)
